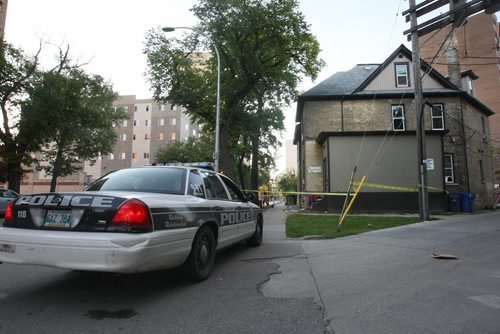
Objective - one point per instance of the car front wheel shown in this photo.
(256, 239)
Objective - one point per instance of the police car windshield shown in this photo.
(154, 180)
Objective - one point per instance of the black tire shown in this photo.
(256, 239)
(201, 260)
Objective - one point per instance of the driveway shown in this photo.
(388, 281)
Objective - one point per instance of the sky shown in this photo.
(109, 34)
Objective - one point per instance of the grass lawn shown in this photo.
(301, 225)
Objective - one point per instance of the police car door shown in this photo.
(222, 208)
(245, 217)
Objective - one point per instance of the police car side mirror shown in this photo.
(250, 197)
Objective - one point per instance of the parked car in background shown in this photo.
(133, 220)
(6, 196)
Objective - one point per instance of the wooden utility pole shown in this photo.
(420, 126)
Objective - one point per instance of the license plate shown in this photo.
(58, 218)
(6, 248)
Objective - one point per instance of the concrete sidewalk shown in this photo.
(387, 281)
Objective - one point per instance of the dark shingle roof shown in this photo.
(342, 83)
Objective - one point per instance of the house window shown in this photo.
(146, 155)
(174, 121)
(160, 136)
(161, 121)
(122, 156)
(162, 107)
(123, 137)
(470, 86)
(437, 116)
(124, 123)
(173, 135)
(398, 118)
(449, 176)
(402, 74)
(146, 136)
(111, 156)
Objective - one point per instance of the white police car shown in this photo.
(133, 220)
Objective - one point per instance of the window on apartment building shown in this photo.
(449, 175)
(173, 108)
(160, 136)
(481, 170)
(122, 156)
(173, 135)
(136, 109)
(146, 136)
(162, 107)
(134, 155)
(146, 155)
(134, 136)
(123, 137)
(437, 116)
(148, 107)
(135, 122)
(398, 118)
(161, 122)
(111, 156)
(124, 123)
(146, 122)
(173, 121)
(402, 72)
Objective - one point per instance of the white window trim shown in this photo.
(448, 179)
(406, 76)
(439, 106)
(403, 118)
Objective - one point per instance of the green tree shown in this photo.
(191, 150)
(17, 74)
(287, 182)
(77, 108)
(265, 46)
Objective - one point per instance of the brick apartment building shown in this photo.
(149, 127)
(3, 16)
(479, 52)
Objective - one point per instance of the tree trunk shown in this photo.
(55, 171)
(225, 161)
(254, 174)
(241, 173)
(14, 176)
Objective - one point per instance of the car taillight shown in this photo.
(132, 215)
(9, 217)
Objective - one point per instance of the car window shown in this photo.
(234, 191)
(10, 194)
(156, 180)
(195, 185)
(214, 187)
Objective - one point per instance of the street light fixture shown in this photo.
(217, 114)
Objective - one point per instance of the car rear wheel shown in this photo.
(256, 239)
(201, 260)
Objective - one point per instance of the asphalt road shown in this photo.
(46, 300)
(380, 282)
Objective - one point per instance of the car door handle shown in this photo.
(218, 208)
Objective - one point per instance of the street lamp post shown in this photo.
(217, 113)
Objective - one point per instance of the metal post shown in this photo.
(217, 113)
(420, 126)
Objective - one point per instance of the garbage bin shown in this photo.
(454, 203)
(467, 201)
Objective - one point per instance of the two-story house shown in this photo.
(365, 120)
